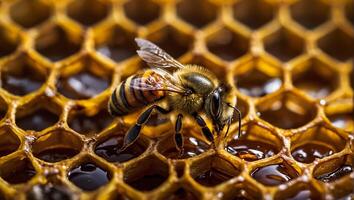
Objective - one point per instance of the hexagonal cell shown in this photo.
(316, 78)
(88, 12)
(3, 108)
(89, 123)
(284, 44)
(34, 116)
(227, 44)
(207, 12)
(254, 14)
(213, 170)
(274, 174)
(299, 191)
(118, 43)
(337, 44)
(56, 146)
(192, 146)
(334, 169)
(142, 11)
(21, 76)
(88, 80)
(242, 191)
(108, 147)
(172, 40)
(9, 41)
(49, 191)
(56, 43)
(30, 13)
(349, 11)
(89, 176)
(9, 141)
(286, 111)
(255, 143)
(316, 143)
(258, 79)
(310, 13)
(147, 174)
(17, 171)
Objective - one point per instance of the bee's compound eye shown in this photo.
(215, 104)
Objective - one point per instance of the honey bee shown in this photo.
(188, 89)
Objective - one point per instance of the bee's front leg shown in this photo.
(205, 129)
(134, 131)
(178, 135)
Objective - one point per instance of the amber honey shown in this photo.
(290, 61)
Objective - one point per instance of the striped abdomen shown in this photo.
(136, 92)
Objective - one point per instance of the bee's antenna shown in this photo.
(239, 119)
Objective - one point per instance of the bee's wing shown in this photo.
(165, 82)
(154, 56)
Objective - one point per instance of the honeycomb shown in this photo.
(291, 62)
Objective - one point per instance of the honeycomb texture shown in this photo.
(290, 61)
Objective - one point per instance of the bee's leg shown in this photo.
(178, 135)
(206, 131)
(134, 131)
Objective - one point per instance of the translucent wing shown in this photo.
(159, 81)
(154, 56)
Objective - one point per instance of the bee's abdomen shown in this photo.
(135, 92)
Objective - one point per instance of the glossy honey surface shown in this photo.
(291, 62)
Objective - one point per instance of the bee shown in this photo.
(188, 89)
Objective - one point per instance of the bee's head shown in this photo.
(218, 108)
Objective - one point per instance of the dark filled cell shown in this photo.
(336, 174)
(7, 46)
(310, 151)
(251, 150)
(37, 121)
(275, 174)
(148, 181)
(253, 14)
(56, 154)
(257, 84)
(142, 12)
(182, 194)
(58, 47)
(206, 12)
(83, 85)
(108, 150)
(87, 12)
(191, 147)
(22, 82)
(212, 177)
(89, 176)
(228, 45)
(21, 174)
(29, 13)
(49, 192)
(84, 124)
(281, 116)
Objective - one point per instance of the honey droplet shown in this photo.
(308, 152)
(88, 176)
(191, 147)
(275, 174)
(108, 150)
(251, 150)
